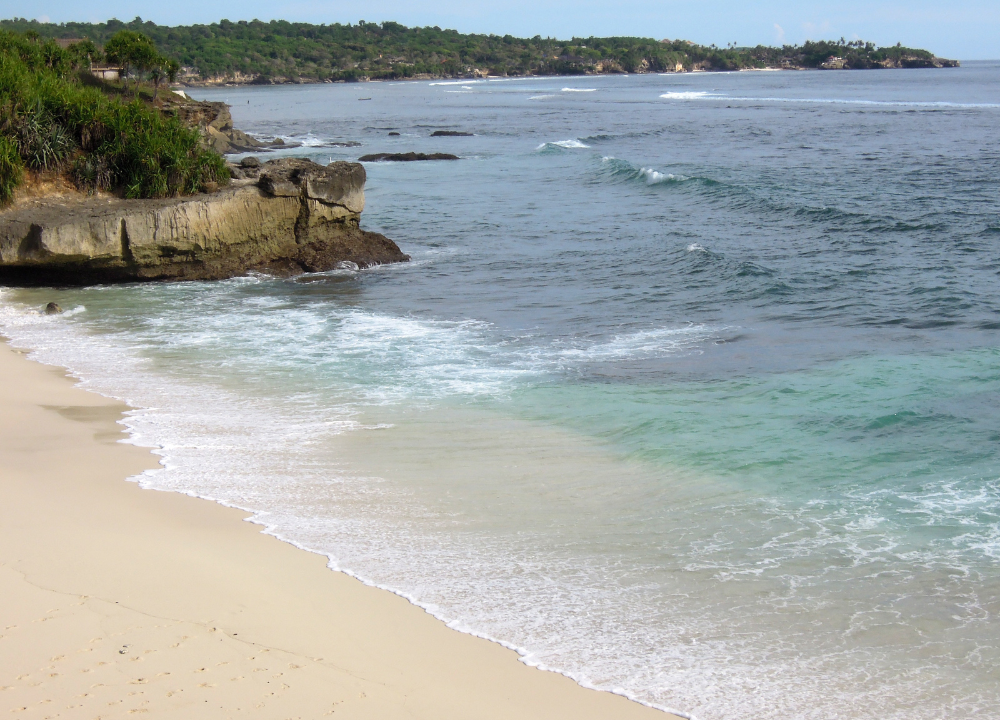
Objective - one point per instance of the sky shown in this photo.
(959, 29)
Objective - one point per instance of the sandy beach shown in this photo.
(117, 601)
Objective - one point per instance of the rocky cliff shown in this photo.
(285, 217)
(214, 121)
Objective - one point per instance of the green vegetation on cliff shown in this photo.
(55, 116)
(284, 51)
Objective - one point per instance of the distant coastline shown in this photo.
(229, 81)
(281, 53)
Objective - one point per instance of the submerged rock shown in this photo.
(299, 217)
(450, 133)
(406, 157)
(52, 309)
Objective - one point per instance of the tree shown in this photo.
(83, 54)
(164, 67)
(156, 74)
(133, 51)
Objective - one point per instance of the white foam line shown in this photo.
(690, 95)
(517, 79)
(524, 655)
(573, 144)
(458, 82)
(156, 480)
(701, 95)
(146, 480)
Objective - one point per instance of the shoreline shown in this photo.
(121, 598)
(207, 84)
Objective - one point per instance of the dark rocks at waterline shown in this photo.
(450, 133)
(394, 134)
(53, 309)
(406, 157)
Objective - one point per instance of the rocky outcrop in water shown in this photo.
(406, 157)
(296, 216)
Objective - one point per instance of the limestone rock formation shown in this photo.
(214, 121)
(296, 217)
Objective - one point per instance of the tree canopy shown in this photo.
(280, 50)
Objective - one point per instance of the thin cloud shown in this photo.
(814, 31)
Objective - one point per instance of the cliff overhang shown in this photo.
(284, 217)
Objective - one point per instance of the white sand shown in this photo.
(117, 601)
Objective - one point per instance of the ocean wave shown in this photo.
(943, 104)
(603, 137)
(654, 177)
(763, 200)
(622, 170)
(642, 344)
(573, 144)
(579, 90)
(688, 95)
(382, 358)
(457, 82)
(312, 141)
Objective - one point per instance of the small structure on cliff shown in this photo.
(107, 73)
(286, 217)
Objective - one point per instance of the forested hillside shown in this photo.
(280, 51)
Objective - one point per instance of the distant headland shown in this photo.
(277, 52)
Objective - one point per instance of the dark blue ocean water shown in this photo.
(691, 389)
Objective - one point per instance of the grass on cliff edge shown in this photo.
(49, 119)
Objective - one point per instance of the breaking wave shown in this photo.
(573, 144)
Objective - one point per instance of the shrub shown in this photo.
(42, 142)
(47, 113)
(11, 169)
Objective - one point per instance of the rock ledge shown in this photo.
(295, 216)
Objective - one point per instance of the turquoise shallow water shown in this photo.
(690, 390)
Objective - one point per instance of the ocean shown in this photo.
(691, 390)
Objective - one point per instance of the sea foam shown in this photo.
(573, 144)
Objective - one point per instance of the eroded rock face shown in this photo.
(298, 217)
(214, 121)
